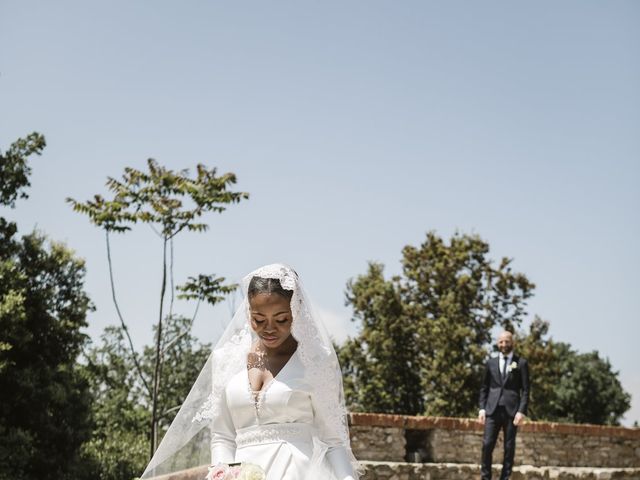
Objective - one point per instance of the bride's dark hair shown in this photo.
(259, 285)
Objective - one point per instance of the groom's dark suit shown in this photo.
(501, 398)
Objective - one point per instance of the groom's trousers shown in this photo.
(498, 420)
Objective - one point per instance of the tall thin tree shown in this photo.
(170, 202)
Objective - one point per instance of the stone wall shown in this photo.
(379, 443)
(396, 447)
(398, 438)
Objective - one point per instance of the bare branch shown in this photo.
(122, 322)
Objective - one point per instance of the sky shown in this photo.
(356, 127)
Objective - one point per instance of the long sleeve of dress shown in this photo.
(223, 436)
(330, 432)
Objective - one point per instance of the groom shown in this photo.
(504, 396)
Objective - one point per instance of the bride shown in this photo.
(270, 393)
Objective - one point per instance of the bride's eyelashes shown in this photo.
(279, 321)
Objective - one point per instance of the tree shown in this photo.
(118, 447)
(169, 202)
(569, 386)
(425, 334)
(379, 376)
(183, 359)
(14, 178)
(44, 407)
(14, 170)
(541, 353)
(589, 390)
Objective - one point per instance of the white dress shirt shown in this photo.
(508, 359)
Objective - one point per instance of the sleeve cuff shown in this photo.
(223, 454)
(339, 460)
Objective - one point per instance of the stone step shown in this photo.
(458, 471)
(468, 471)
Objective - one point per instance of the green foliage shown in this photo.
(379, 376)
(44, 400)
(541, 353)
(569, 386)
(42, 309)
(118, 447)
(205, 288)
(14, 170)
(425, 334)
(182, 360)
(14, 178)
(589, 391)
(162, 197)
(169, 202)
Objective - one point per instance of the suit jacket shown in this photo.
(514, 389)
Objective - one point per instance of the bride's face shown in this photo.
(271, 318)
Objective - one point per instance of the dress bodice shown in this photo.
(278, 428)
(284, 399)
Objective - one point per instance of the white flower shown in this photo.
(250, 471)
(513, 366)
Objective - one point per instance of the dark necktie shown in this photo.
(504, 367)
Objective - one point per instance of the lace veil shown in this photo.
(187, 441)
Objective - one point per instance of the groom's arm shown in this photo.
(484, 388)
(524, 392)
(484, 392)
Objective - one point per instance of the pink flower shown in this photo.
(234, 472)
(217, 472)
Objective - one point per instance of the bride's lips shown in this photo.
(269, 339)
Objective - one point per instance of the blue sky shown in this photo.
(356, 127)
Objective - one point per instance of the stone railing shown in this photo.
(455, 471)
(399, 438)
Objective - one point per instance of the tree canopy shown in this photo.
(426, 334)
(45, 401)
(119, 443)
(569, 386)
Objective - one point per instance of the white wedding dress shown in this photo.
(295, 428)
(275, 429)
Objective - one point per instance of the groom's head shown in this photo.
(505, 342)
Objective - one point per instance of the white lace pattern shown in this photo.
(272, 433)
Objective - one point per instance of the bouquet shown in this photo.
(235, 471)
